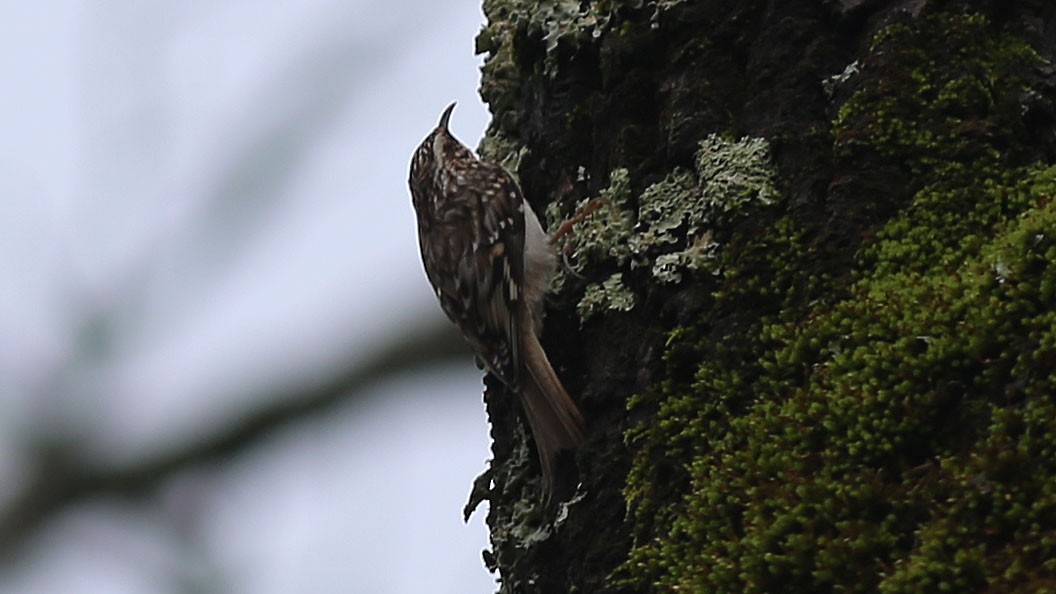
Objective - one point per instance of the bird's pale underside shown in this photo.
(489, 262)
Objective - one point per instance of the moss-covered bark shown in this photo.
(813, 324)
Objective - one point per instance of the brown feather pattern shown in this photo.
(472, 236)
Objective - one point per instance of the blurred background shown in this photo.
(221, 366)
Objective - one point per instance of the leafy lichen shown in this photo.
(526, 526)
(611, 294)
(834, 82)
(501, 149)
(670, 227)
(601, 236)
(555, 22)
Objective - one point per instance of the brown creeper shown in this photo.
(490, 263)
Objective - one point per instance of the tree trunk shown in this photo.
(812, 319)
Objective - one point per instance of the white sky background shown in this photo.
(202, 199)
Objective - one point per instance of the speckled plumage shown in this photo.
(489, 263)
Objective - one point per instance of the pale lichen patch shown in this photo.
(611, 294)
(671, 227)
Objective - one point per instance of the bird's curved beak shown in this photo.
(444, 117)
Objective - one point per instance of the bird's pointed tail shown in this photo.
(554, 417)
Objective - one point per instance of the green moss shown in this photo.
(893, 431)
(955, 101)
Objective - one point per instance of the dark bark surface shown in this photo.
(847, 385)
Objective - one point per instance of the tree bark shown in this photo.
(811, 319)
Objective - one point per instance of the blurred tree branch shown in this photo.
(62, 478)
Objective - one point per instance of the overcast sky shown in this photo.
(200, 201)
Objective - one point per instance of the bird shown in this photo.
(489, 262)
